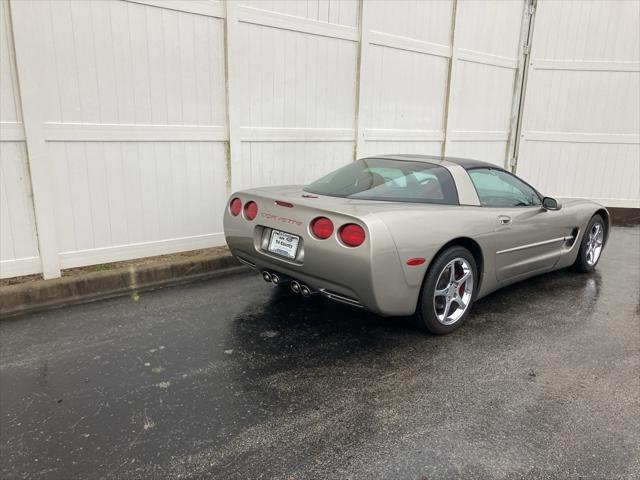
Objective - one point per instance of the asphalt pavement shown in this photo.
(233, 378)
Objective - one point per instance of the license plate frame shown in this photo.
(284, 244)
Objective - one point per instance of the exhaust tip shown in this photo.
(275, 279)
(295, 287)
(267, 276)
(305, 291)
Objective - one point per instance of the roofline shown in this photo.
(466, 163)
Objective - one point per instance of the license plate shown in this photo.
(283, 243)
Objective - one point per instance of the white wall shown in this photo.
(141, 116)
(581, 129)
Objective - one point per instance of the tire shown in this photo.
(431, 313)
(591, 245)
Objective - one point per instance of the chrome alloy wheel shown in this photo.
(453, 292)
(594, 244)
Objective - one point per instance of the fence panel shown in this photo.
(582, 105)
(483, 90)
(18, 240)
(295, 74)
(134, 121)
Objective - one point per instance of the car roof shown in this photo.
(465, 163)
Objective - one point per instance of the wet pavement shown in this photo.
(235, 379)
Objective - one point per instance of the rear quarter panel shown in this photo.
(424, 231)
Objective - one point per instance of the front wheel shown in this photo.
(448, 291)
(591, 246)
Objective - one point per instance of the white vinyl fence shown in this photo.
(127, 123)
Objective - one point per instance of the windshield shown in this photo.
(390, 180)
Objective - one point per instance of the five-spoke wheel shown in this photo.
(594, 243)
(448, 291)
(454, 290)
(591, 245)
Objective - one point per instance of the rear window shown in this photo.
(389, 180)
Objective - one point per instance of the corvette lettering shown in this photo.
(271, 216)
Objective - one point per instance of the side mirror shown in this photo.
(549, 203)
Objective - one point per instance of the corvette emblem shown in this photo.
(278, 218)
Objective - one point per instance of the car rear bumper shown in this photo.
(330, 280)
(318, 285)
(374, 283)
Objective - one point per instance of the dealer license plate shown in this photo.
(283, 243)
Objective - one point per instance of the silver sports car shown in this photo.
(412, 235)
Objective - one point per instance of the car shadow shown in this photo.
(288, 327)
(542, 290)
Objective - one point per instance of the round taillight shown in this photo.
(251, 210)
(235, 206)
(352, 234)
(322, 227)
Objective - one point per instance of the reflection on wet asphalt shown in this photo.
(233, 378)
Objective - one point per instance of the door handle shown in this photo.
(504, 220)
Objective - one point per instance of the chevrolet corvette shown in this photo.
(412, 235)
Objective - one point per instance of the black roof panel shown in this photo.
(465, 163)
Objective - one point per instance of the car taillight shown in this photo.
(322, 227)
(251, 210)
(235, 206)
(352, 234)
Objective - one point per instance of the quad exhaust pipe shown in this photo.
(301, 288)
(296, 287)
(272, 278)
(305, 291)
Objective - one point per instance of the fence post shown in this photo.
(29, 66)
(363, 78)
(234, 159)
(453, 66)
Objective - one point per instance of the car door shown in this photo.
(528, 238)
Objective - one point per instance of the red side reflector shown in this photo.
(235, 206)
(352, 234)
(284, 204)
(251, 210)
(415, 261)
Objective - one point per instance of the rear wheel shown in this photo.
(448, 291)
(591, 246)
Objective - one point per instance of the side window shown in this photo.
(500, 189)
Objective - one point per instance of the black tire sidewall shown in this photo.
(426, 312)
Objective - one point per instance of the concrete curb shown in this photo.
(46, 294)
